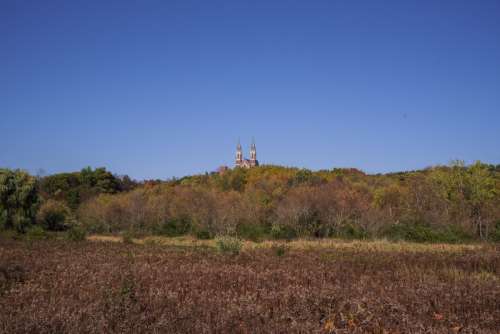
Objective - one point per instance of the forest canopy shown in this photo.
(438, 204)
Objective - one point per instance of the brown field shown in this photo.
(183, 285)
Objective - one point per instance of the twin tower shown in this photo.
(246, 163)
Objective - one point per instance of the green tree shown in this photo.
(75, 188)
(18, 199)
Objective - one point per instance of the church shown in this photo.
(246, 163)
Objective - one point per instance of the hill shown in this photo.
(442, 203)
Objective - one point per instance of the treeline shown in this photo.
(76, 188)
(440, 204)
(52, 201)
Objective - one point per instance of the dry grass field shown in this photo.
(184, 285)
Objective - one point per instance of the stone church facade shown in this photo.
(246, 163)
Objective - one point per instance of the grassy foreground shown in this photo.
(300, 244)
(185, 285)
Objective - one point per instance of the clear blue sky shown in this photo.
(156, 89)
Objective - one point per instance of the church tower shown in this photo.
(253, 155)
(239, 155)
(246, 163)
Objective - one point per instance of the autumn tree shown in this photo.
(468, 191)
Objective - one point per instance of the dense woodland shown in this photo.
(452, 203)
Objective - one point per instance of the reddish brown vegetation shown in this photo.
(55, 286)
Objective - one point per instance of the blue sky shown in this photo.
(156, 89)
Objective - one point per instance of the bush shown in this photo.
(283, 232)
(420, 232)
(173, 227)
(53, 216)
(352, 231)
(9, 234)
(22, 223)
(253, 232)
(36, 233)
(203, 235)
(495, 236)
(454, 234)
(128, 237)
(226, 244)
(279, 249)
(76, 233)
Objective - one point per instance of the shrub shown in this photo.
(9, 234)
(253, 232)
(53, 216)
(495, 235)
(279, 249)
(36, 233)
(151, 242)
(410, 232)
(283, 232)
(454, 234)
(173, 227)
(352, 231)
(76, 233)
(420, 232)
(227, 244)
(203, 235)
(127, 237)
(22, 223)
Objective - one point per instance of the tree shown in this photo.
(390, 198)
(54, 216)
(18, 199)
(75, 188)
(469, 191)
(481, 190)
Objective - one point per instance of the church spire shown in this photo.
(253, 152)
(246, 163)
(239, 154)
